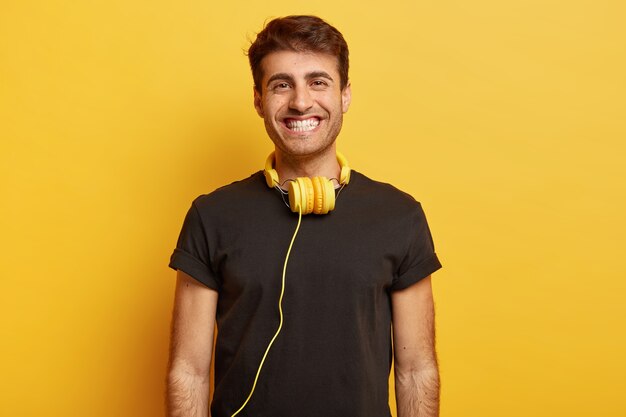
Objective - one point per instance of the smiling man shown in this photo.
(304, 304)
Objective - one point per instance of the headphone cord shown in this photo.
(280, 310)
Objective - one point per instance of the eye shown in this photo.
(319, 83)
(280, 86)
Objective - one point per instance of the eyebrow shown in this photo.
(280, 76)
(308, 76)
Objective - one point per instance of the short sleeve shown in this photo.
(420, 260)
(191, 254)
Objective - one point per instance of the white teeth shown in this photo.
(303, 125)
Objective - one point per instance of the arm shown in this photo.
(191, 346)
(416, 370)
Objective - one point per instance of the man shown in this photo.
(303, 303)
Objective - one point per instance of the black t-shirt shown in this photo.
(333, 355)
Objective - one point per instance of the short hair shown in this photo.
(300, 34)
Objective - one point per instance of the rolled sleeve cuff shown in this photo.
(183, 261)
(416, 273)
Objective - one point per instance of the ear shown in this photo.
(258, 103)
(346, 97)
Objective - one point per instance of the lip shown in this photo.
(306, 117)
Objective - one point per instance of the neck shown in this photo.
(323, 164)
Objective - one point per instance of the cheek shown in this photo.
(272, 107)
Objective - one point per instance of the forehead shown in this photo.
(298, 64)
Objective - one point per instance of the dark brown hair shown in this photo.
(299, 34)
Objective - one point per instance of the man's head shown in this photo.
(300, 69)
(298, 34)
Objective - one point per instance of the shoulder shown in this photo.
(385, 204)
(381, 193)
(234, 192)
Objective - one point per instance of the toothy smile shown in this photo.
(302, 125)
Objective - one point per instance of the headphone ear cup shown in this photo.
(318, 199)
(308, 195)
(295, 198)
(324, 200)
(301, 195)
(329, 195)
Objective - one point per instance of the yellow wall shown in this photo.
(505, 118)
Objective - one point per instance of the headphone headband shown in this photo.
(271, 176)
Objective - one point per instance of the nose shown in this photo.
(301, 99)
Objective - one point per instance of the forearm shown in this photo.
(417, 392)
(187, 394)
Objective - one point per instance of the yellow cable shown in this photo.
(280, 310)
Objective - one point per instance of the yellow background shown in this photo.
(506, 119)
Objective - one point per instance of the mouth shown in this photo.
(302, 125)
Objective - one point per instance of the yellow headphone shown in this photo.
(311, 195)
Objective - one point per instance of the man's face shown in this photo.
(301, 101)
